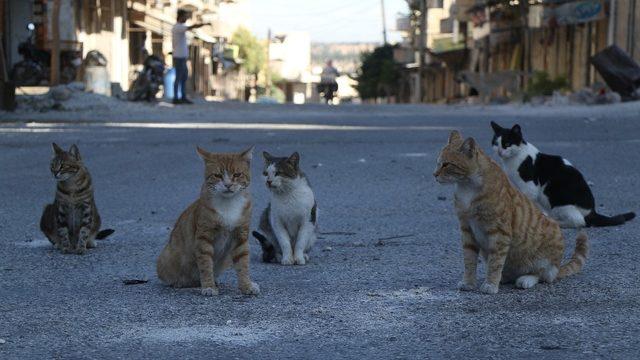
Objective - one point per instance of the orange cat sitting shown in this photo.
(212, 233)
(517, 241)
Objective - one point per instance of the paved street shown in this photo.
(381, 282)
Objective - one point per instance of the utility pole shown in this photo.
(267, 75)
(613, 15)
(422, 48)
(384, 24)
(55, 44)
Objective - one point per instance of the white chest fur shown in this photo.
(294, 206)
(512, 165)
(230, 210)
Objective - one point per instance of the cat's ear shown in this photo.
(516, 130)
(73, 151)
(468, 147)
(455, 136)
(204, 155)
(294, 159)
(247, 154)
(496, 128)
(267, 157)
(57, 149)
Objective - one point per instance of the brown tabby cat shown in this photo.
(72, 222)
(212, 233)
(517, 242)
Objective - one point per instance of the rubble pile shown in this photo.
(67, 97)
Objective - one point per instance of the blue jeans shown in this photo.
(182, 73)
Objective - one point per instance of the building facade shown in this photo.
(498, 44)
(125, 31)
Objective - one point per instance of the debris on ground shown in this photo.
(327, 248)
(67, 97)
(144, 280)
(396, 237)
(595, 95)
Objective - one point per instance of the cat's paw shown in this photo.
(286, 260)
(489, 288)
(526, 281)
(300, 260)
(465, 286)
(209, 291)
(252, 289)
(306, 257)
(80, 250)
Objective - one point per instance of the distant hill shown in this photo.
(345, 56)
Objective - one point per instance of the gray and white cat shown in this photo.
(289, 223)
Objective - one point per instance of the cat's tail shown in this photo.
(102, 234)
(579, 257)
(261, 239)
(268, 252)
(598, 220)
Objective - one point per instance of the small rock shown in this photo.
(228, 322)
(60, 93)
(442, 198)
(362, 160)
(75, 86)
(2, 341)
(327, 248)
(315, 166)
(358, 244)
(380, 243)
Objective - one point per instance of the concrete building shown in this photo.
(501, 43)
(290, 60)
(126, 30)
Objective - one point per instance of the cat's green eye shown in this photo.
(237, 175)
(218, 176)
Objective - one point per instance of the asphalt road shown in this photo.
(381, 282)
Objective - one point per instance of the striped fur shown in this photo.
(211, 235)
(517, 241)
(72, 222)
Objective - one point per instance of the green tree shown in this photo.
(251, 50)
(378, 75)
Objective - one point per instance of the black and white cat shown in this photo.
(550, 180)
(288, 225)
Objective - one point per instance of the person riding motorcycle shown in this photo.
(328, 84)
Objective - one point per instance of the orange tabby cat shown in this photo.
(212, 233)
(517, 241)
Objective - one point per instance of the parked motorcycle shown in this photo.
(148, 81)
(34, 68)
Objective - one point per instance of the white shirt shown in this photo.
(179, 40)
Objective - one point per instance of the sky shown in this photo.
(326, 20)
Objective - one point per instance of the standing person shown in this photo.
(180, 55)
